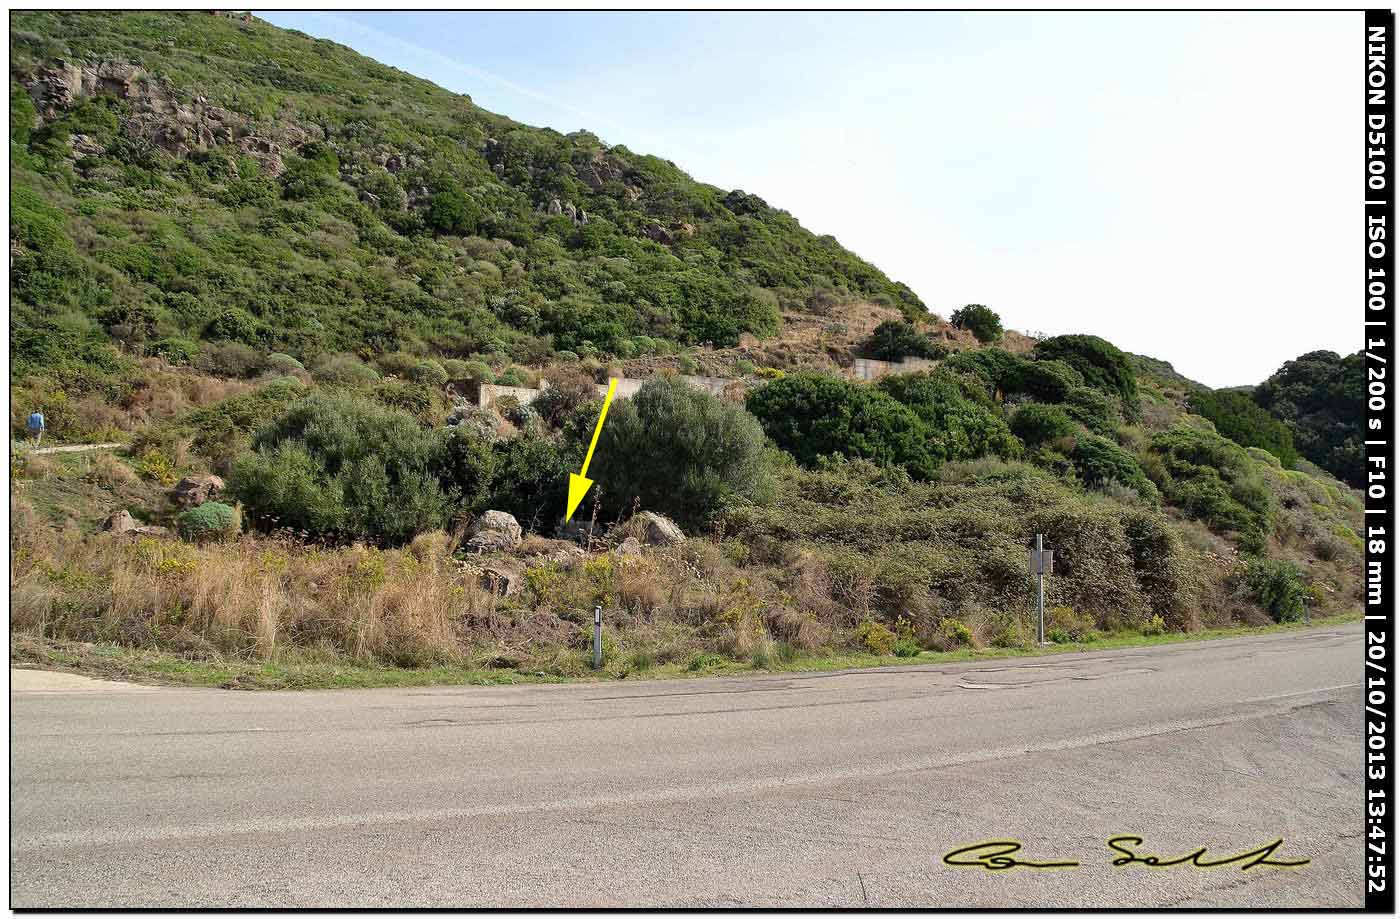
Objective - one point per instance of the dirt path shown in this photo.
(69, 448)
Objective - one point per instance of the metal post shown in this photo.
(597, 637)
(1040, 587)
(1307, 611)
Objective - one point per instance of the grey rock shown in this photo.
(194, 490)
(120, 522)
(658, 530)
(494, 530)
(629, 546)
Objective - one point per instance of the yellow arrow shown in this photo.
(579, 482)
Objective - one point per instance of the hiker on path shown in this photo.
(36, 427)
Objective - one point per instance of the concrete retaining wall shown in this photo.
(626, 389)
(870, 369)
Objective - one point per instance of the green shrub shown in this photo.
(1103, 366)
(1036, 423)
(1315, 395)
(531, 472)
(567, 391)
(811, 415)
(875, 638)
(177, 351)
(680, 451)
(210, 521)
(155, 465)
(1238, 417)
(955, 427)
(1213, 480)
(230, 359)
(954, 634)
(1154, 626)
(334, 465)
(1090, 407)
(1277, 586)
(344, 370)
(283, 364)
(1045, 381)
(513, 376)
(981, 321)
(894, 340)
(428, 372)
(1100, 461)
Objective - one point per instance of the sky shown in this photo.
(1185, 185)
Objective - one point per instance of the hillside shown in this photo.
(187, 176)
(282, 275)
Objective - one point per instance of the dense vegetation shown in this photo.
(253, 185)
(1320, 397)
(1240, 418)
(981, 321)
(894, 340)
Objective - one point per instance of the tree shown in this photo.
(334, 465)
(811, 415)
(1241, 419)
(1102, 365)
(680, 451)
(450, 211)
(981, 321)
(956, 427)
(1318, 395)
(1037, 423)
(894, 340)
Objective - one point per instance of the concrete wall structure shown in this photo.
(870, 369)
(626, 389)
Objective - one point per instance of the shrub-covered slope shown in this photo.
(186, 176)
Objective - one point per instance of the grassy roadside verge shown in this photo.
(114, 662)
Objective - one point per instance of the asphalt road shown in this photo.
(841, 789)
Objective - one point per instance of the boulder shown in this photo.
(629, 546)
(194, 490)
(656, 530)
(120, 522)
(494, 530)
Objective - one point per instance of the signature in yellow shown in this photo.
(997, 855)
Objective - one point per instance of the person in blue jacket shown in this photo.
(36, 426)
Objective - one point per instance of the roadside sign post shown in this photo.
(597, 637)
(1042, 562)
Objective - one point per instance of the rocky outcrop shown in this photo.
(629, 546)
(158, 118)
(494, 530)
(194, 490)
(120, 522)
(657, 232)
(656, 530)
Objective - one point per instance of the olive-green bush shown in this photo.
(678, 450)
(980, 320)
(208, 522)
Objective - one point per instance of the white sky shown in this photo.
(1185, 185)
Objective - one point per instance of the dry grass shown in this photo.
(258, 598)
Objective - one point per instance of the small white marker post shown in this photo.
(597, 637)
(1042, 562)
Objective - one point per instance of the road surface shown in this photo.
(839, 789)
